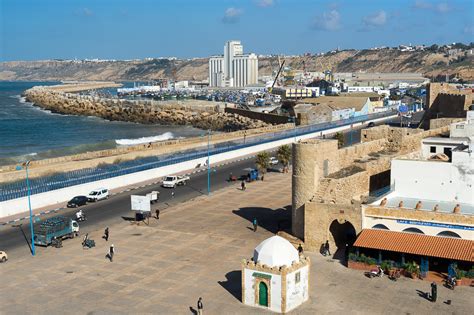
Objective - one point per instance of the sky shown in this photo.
(137, 29)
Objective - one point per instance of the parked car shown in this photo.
(3, 256)
(77, 202)
(98, 194)
(273, 161)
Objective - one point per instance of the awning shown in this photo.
(418, 244)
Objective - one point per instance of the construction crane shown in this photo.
(278, 73)
(328, 76)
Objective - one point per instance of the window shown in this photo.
(432, 149)
(297, 277)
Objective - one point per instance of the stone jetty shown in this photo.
(60, 99)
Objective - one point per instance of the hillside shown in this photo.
(430, 63)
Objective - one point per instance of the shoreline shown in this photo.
(45, 167)
(60, 99)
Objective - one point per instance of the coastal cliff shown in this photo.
(199, 115)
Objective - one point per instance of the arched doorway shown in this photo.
(262, 294)
(344, 235)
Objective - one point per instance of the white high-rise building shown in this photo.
(234, 68)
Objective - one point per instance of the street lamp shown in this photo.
(208, 162)
(33, 251)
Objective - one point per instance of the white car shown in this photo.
(98, 194)
(3, 256)
(173, 181)
(273, 161)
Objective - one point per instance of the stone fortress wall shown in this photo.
(444, 100)
(331, 184)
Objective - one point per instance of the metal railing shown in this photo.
(14, 190)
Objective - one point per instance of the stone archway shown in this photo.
(344, 235)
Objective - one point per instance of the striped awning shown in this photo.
(417, 244)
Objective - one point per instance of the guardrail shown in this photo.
(18, 189)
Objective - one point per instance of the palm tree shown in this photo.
(263, 161)
(284, 156)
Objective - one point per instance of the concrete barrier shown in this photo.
(20, 205)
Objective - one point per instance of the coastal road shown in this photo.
(14, 239)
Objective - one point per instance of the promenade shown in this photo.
(194, 250)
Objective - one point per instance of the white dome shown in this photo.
(275, 252)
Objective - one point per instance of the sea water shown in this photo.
(28, 132)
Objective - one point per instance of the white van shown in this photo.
(98, 194)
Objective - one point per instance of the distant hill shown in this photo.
(432, 62)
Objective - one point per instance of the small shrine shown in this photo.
(277, 277)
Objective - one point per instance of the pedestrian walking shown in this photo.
(300, 249)
(199, 306)
(106, 234)
(262, 177)
(243, 185)
(111, 253)
(255, 224)
(157, 211)
(326, 248)
(434, 291)
(172, 194)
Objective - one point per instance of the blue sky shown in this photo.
(129, 29)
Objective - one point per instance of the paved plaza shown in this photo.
(195, 250)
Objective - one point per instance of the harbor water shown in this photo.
(28, 132)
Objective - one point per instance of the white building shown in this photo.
(276, 278)
(441, 181)
(234, 68)
(366, 89)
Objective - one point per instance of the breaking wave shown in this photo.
(165, 136)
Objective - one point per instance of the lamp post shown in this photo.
(208, 162)
(33, 251)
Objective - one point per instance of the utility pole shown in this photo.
(33, 251)
(208, 162)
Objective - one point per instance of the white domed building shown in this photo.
(276, 278)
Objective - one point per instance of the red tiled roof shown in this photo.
(418, 244)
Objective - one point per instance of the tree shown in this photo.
(284, 156)
(263, 161)
(340, 139)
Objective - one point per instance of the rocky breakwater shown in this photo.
(202, 116)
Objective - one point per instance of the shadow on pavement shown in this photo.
(233, 284)
(272, 220)
(424, 295)
(26, 238)
(193, 310)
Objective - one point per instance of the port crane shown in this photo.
(278, 73)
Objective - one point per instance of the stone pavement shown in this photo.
(195, 250)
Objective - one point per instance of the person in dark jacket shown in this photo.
(434, 292)
(106, 234)
(300, 249)
(200, 306)
(111, 253)
(326, 248)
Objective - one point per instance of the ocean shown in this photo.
(30, 133)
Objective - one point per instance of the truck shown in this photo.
(173, 181)
(154, 196)
(56, 228)
(252, 174)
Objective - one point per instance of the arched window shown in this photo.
(380, 227)
(413, 230)
(449, 234)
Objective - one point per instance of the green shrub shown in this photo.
(386, 265)
(470, 273)
(411, 267)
